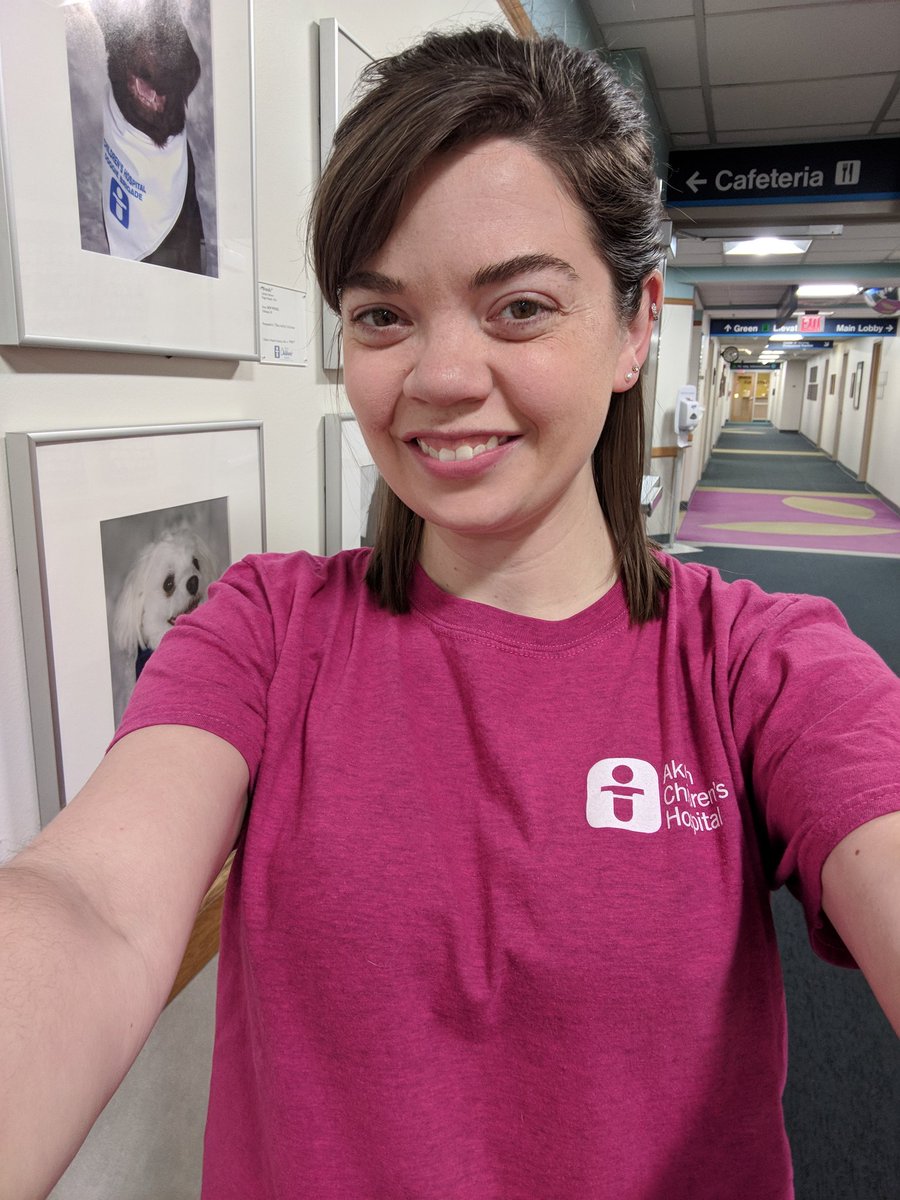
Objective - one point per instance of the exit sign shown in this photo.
(812, 323)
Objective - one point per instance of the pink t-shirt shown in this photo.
(499, 927)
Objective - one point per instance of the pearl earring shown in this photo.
(635, 370)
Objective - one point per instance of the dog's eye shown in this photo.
(196, 564)
(169, 585)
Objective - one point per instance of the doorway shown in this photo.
(742, 398)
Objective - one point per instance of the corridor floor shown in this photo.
(843, 1085)
(772, 508)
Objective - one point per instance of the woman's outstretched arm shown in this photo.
(861, 895)
(94, 919)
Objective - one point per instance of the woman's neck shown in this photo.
(550, 573)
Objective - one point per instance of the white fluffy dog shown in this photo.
(170, 577)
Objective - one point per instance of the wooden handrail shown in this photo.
(203, 943)
(518, 18)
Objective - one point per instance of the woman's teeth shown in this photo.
(461, 453)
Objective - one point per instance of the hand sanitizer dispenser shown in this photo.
(687, 414)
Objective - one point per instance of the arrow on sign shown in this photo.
(695, 181)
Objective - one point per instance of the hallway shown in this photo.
(843, 1086)
(772, 508)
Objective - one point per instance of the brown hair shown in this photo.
(569, 108)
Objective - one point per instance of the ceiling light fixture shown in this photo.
(722, 232)
(762, 247)
(827, 289)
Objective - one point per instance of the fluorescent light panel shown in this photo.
(827, 289)
(762, 247)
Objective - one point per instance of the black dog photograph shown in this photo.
(140, 82)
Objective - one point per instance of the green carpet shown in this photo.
(859, 587)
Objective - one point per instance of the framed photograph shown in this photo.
(127, 177)
(117, 533)
(856, 384)
(341, 61)
(350, 478)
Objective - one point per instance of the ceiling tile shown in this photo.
(729, 6)
(607, 11)
(800, 43)
(683, 109)
(689, 139)
(871, 233)
(767, 136)
(821, 102)
(671, 46)
(889, 127)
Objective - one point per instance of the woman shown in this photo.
(498, 923)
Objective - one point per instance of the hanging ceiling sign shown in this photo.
(754, 366)
(819, 171)
(833, 327)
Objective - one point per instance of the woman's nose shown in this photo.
(450, 366)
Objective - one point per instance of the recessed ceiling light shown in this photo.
(763, 246)
(827, 289)
(782, 337)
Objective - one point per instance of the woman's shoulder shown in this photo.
(296, 575)
(739, 617)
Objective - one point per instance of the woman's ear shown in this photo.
(638, 332)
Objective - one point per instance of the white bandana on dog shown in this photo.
(143, 184)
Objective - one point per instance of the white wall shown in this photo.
(883, 472)
(676, 367)
(853, 419)
(62, 389)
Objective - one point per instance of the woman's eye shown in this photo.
(378, 318)
(523, 310)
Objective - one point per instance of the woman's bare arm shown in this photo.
(861, 895)
(94, 919)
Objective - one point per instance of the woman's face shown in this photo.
(481, 344)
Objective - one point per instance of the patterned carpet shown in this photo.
(772, 519)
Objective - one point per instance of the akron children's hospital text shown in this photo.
(689, 807)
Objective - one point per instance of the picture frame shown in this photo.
(350, 478)
(341, 61)
(69, 275)
(110, 524)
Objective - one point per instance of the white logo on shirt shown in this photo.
(623, 793)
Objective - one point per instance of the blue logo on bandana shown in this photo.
(118, 202)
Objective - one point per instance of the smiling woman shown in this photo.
(510, 159)
(519, 783)
(482, 344)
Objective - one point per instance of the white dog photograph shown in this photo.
(156, 566)
(140, 82)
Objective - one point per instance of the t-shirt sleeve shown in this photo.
(818, 716)
(212, 670)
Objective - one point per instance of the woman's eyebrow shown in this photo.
(372, 281)
(501, 272)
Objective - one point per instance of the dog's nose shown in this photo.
(193, 585)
